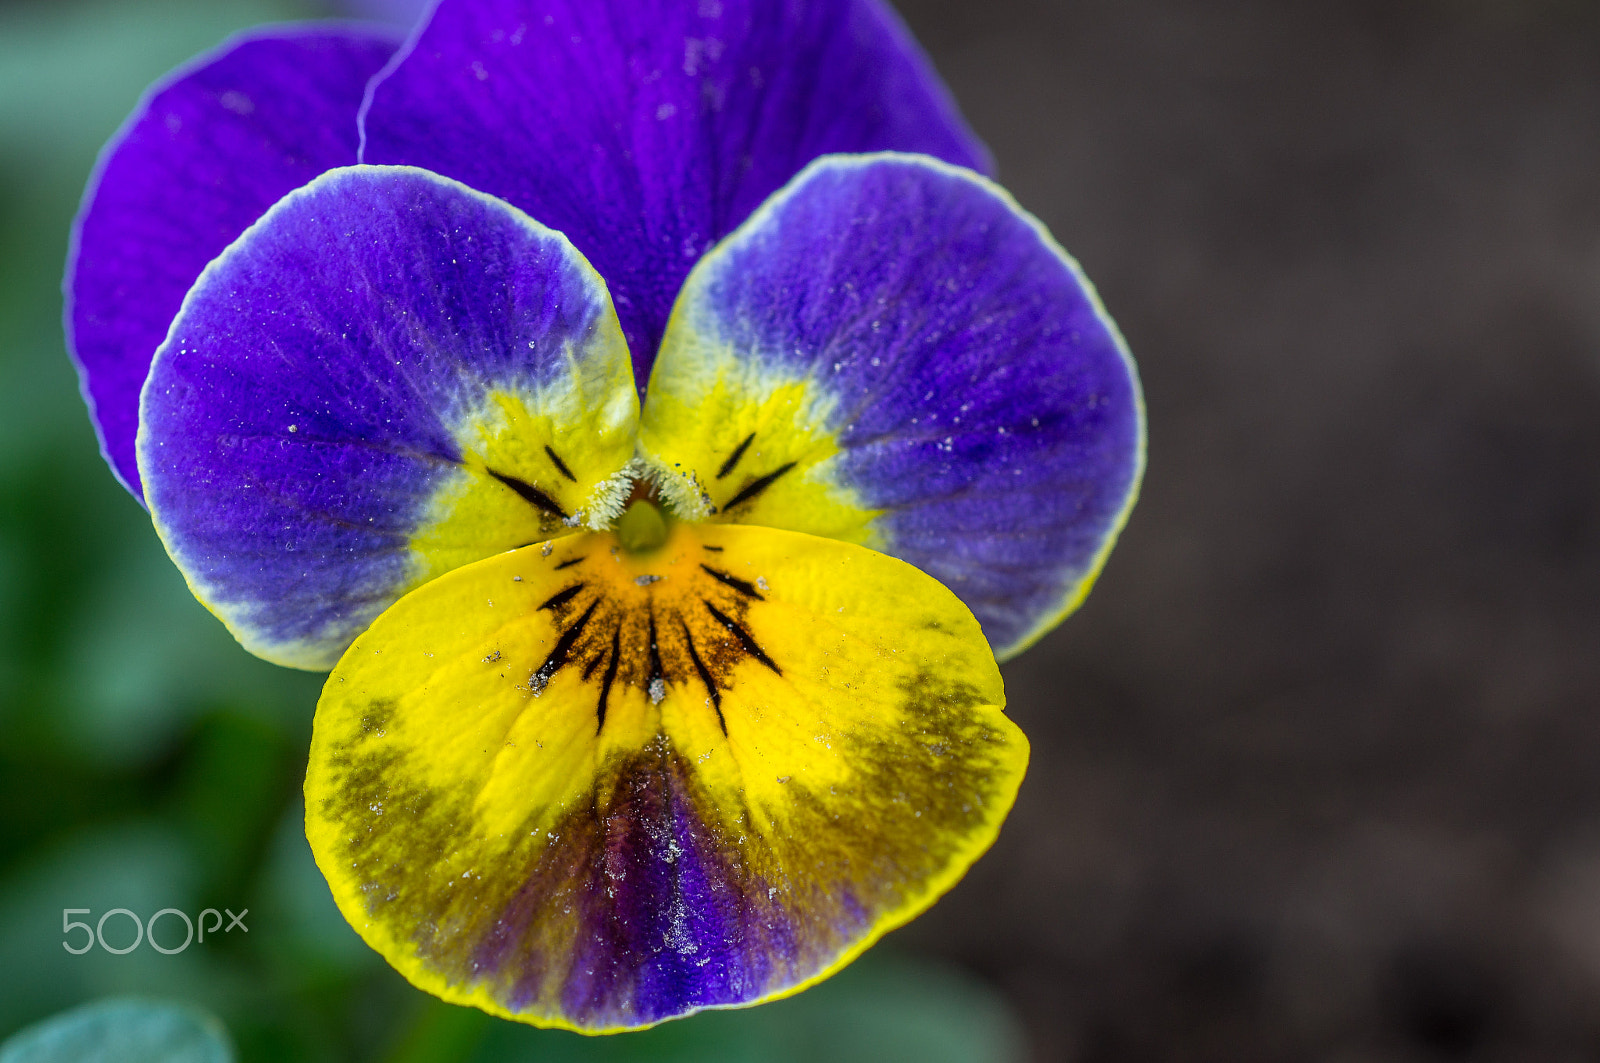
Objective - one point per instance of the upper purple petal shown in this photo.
(206, 152)
(386, 377)
(892, 352)
(646, 130)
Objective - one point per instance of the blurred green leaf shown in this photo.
(141, 866)
(122, 1031)
(147, 660)
(69, 73)
(310, 936)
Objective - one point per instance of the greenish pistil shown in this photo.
(642, 527)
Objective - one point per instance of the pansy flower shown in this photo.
(659, 425)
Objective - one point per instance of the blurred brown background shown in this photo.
(1314, 770)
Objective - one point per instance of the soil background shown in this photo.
(1314, 769)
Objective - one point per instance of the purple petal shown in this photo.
(386, 377)
(207, 151)
(891, 352)
(646, 130)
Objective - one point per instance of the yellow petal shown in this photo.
(589, 788)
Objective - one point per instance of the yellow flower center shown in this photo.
(642, 528)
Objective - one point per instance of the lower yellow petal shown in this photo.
(584, 787)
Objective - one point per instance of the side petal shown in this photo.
(206, 152)
(891, 352)
(594, 790)
(388, 376)
(646, 130)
